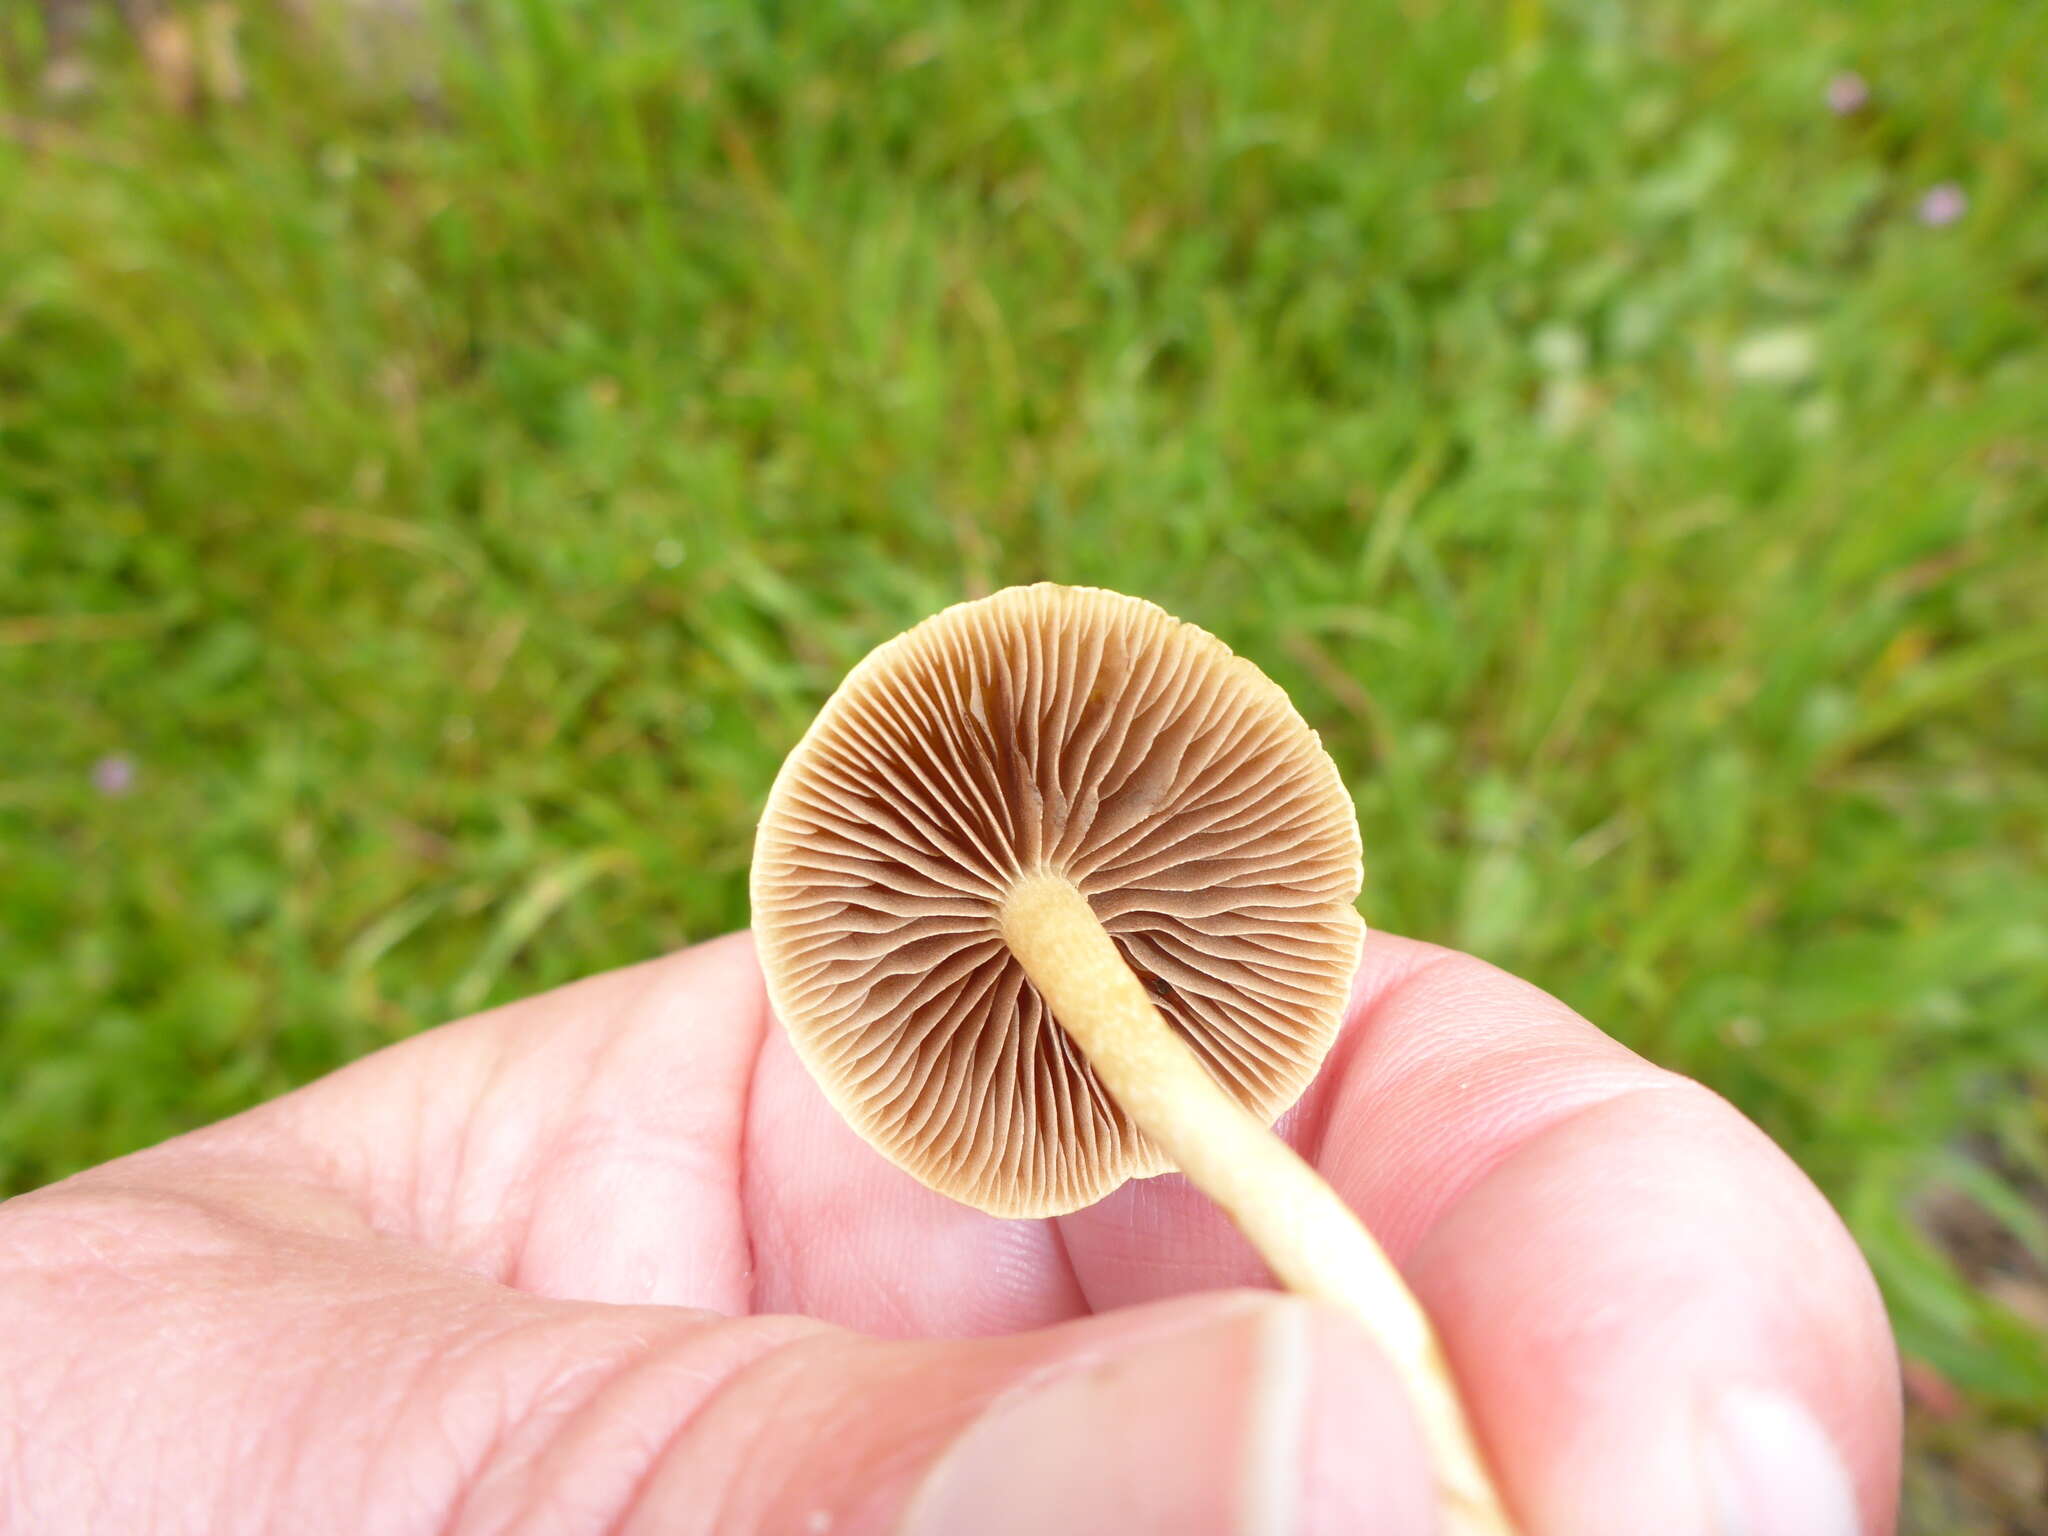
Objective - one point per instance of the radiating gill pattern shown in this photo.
(1090, 734)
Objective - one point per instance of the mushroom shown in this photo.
(1058, 892)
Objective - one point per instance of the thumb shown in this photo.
(1236, 1412)
(184, 1362)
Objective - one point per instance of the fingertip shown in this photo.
(1263, 1415)
(1772, 1470)
(1364, 1464)
(1621, 1294)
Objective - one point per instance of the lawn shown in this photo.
(444, 464)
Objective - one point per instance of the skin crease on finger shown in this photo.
(1586, 1228)
(298, 1382)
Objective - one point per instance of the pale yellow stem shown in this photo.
(1308, 1236)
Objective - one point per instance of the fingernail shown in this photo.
(1276, 1418)
(1163, 1435)
(1270, 1495)
(1772, 1471)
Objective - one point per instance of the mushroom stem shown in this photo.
(1309, 1237)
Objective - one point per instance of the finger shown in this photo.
(296, 1380)
(583, 1143)
(842, 1234)
(1632, 1283)
(1443, 1066)
(1221, 1413)
(643, 1136)
(1665, 1327)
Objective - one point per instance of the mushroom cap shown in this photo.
(1082, 732)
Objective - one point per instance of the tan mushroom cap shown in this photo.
(1071, 730)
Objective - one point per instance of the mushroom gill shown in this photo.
(1086, 735)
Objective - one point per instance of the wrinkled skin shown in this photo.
(605, 1260)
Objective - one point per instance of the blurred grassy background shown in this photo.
(444, 462)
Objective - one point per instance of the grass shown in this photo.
(452, 473)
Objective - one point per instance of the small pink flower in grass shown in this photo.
(114, 774)
(1848, 93)
(1944, 203)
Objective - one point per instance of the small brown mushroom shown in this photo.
(1058, 892)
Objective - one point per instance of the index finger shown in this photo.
(1658, 1322)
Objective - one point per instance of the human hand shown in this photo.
(605, 1260)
